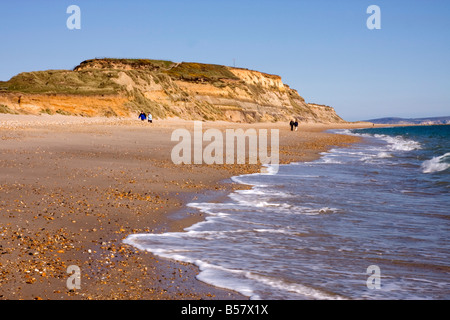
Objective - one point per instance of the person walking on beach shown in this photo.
(150, 118)
(296, 124)
(142, 116)
(292, 125)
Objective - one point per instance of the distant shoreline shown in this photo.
(413, 121)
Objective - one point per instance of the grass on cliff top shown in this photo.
(201, 72)
(64, 82)
(111, 63)
(98, 80)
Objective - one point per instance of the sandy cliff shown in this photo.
(122, 87)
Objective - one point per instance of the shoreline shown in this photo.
(180, 224)
(104, 158)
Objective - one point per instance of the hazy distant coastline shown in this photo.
(393, 120)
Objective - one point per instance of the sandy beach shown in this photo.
(73, 188)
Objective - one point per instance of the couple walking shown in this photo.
(294, 124)
(143, 117)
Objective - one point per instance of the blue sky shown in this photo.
(322, 48)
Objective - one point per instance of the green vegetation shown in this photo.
(6, 109)
(65, 82)
(201, 72)
(47, 111)
(3, 86)
(96, 77)
(111, 63)
(62, 112)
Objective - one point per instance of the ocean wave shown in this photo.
(256, 191)
(350, 132)
(396, 143)
(436, 164)
(399, 143)
(384, 155)
(297, 288)
(232, 279)
(376, 158)
(280, 230)
(328, 160)
(250, 284)
(283, 207)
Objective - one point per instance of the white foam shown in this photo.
(375, 158)
(297, 288)
(248, 200)
(207, 208)
(270, 169)
(225, 278)
(257, 191)
(240, 180)
(328, 210)
(330, 160)
(243, 281)
(209, 273)
(398, 143)
(436, 164)
(384, 155)
(281, 230)
(191, 232)
(317, 211)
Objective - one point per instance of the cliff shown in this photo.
(122, 87)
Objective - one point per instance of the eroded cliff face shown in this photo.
(88, 106)
(122, 87)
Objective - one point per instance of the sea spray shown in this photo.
(436, 164)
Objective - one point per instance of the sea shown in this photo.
(366, 221)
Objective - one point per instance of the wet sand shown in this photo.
(72, 188)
